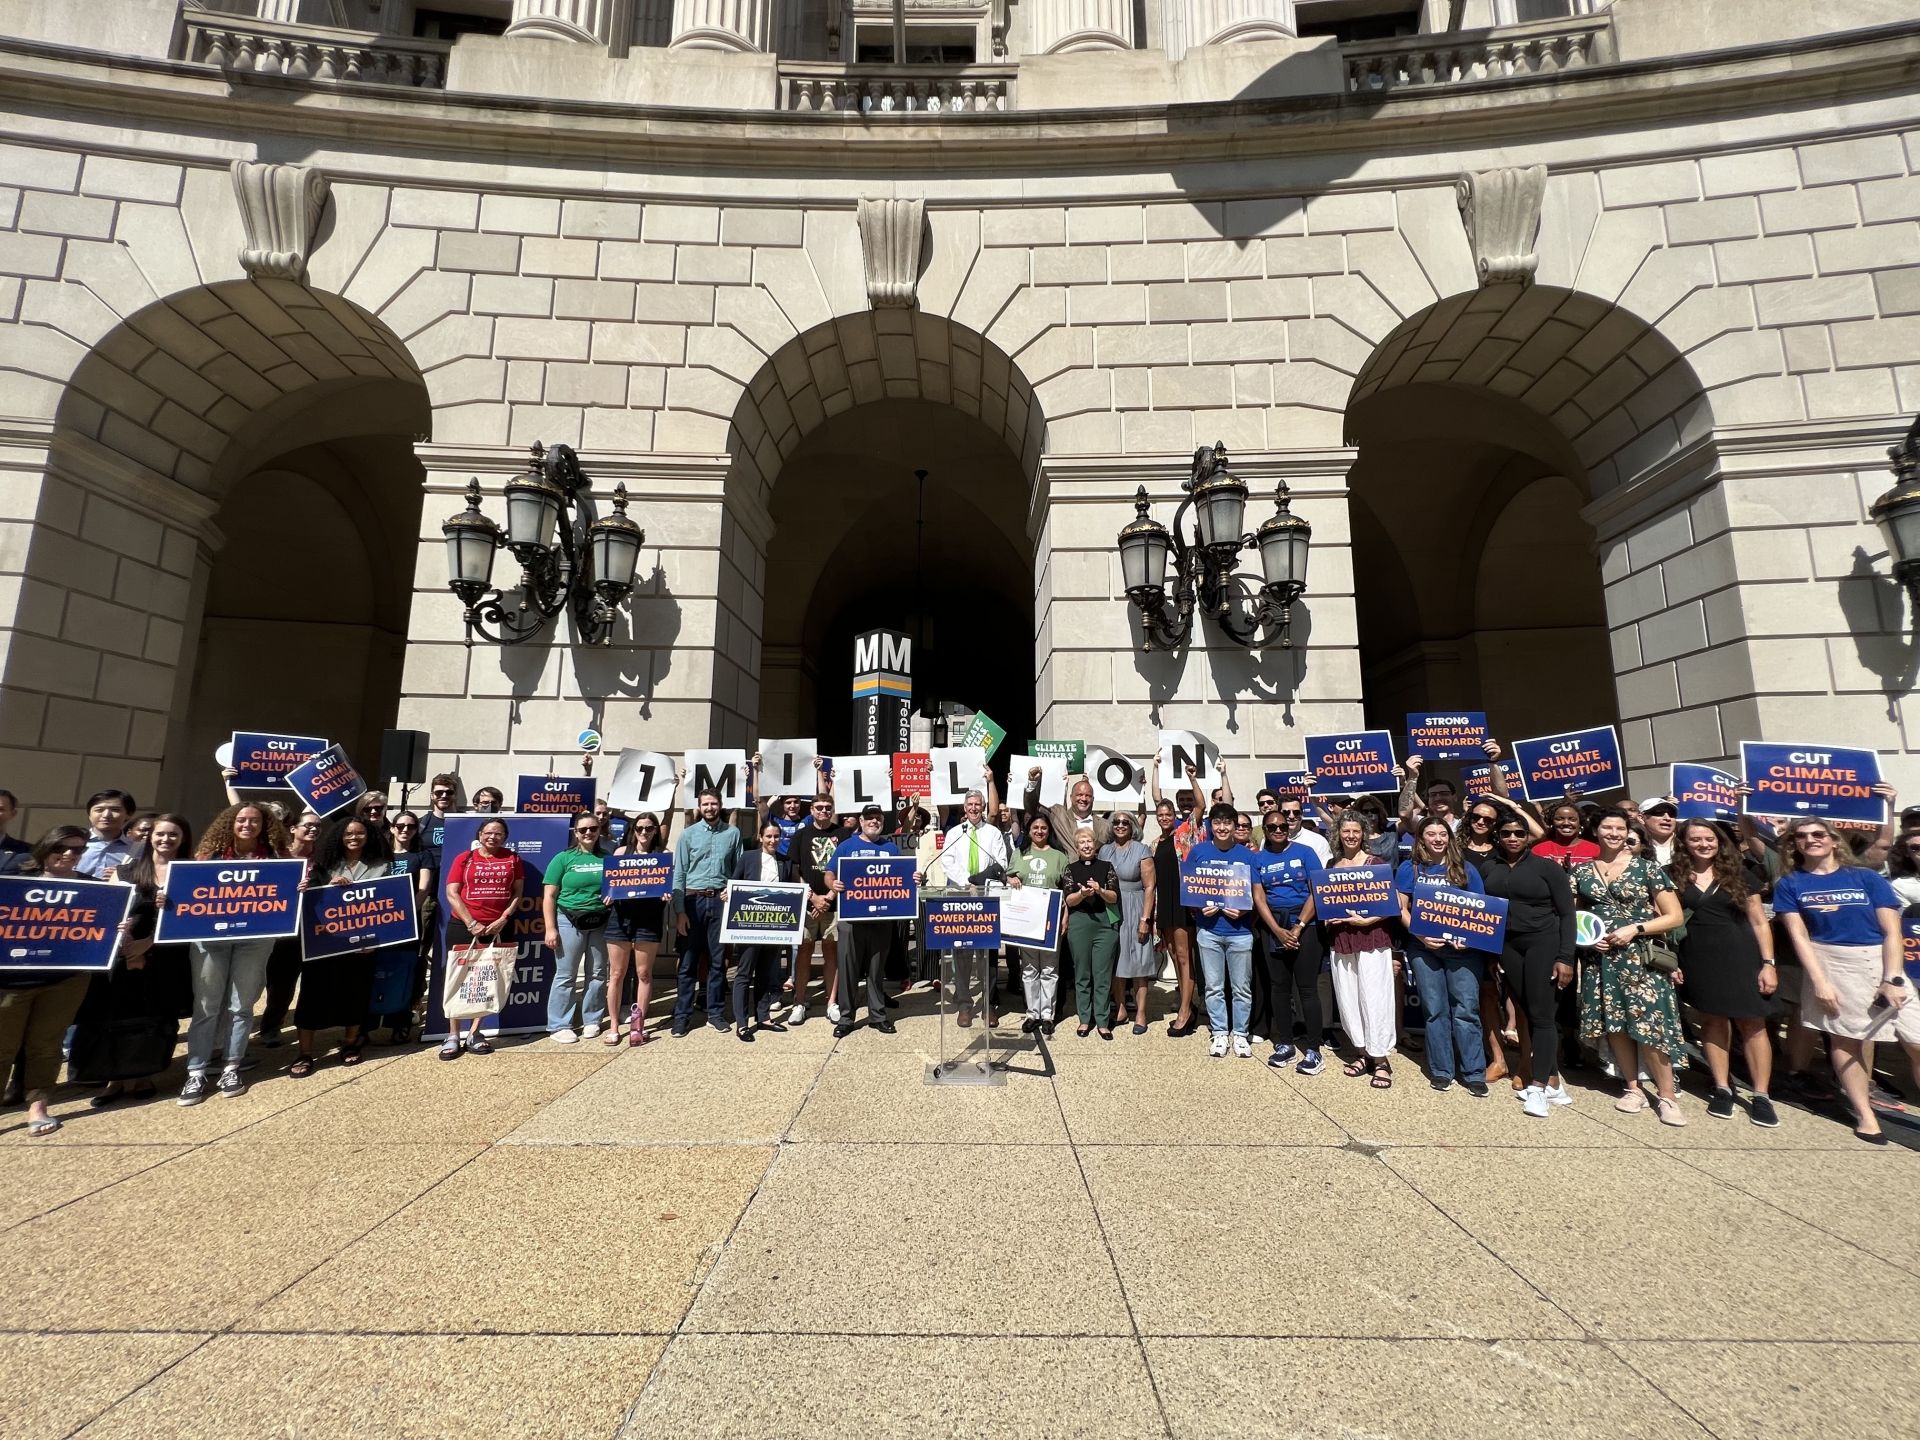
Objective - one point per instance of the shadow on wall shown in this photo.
(1269, 676)
(1868, 598)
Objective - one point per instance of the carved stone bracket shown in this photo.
(892, 234)
(281, 206)
(1501, 210)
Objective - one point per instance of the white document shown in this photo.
(722, 770)
(1023, 915)
(860, 781)
(786, 768)
(1053, 777)
(643, 780)
(1118, 783)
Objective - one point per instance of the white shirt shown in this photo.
(1315, 842)
(768, 867)
(988, 845)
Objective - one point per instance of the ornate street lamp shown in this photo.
(1897, 513)
(586, 569)
(1204, 565)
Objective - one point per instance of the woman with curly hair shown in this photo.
(335, 991)
(1726, 956)
(228, 975)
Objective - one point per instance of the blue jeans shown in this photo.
(1224, 960)
(228, 976)
(1449, 985)
(577, 946)
(702, 940)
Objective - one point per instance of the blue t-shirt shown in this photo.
(1220, 923)
(1837, 909)
(1285, 874)
(1410, 875)
(857, 846)
(787, 829)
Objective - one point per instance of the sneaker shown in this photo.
(833, 1012)
(269, 1038)
(590, 1032)
(244, 1064)
(1241, 1049)
(797, 1015)
(1631, 1103)
(1668, 1111)
(1442, 1083)
(231, 1085)
(1533, 1101)
(1760, 1110)
(1476, 1088)
(1218, 1047)
(1257, 1039)
(1283, 1056)
(194, 1091)
(1557, 1095)
(1310, 1064)
(564, 1037)
(1720, 1104)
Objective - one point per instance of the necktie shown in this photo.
(973, 851)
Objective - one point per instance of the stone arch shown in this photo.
(165, 415)
(975, 400)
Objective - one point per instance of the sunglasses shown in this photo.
(405, 825)
(1276, 829)
(1478, 819)
(586, 829)
(68, 850)
(1802, 836)
(1508, 834)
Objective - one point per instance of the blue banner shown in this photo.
(553, 794)
(1360, 763)
(262, 760)
(1447, 734)
(646, 876)
(1289, 784)
(1479, 778)
(231, 900)
(1910, 944)
(616, 831)
(1583, 760)
(328, 782)
(878, 887)
(1355, 892)
(354, 918)
(1703, 792)
(1212, 879)
(1440, 912)
(1822, 780)
(50, 924)
(536, 839)
(763, 913)
(962, 922)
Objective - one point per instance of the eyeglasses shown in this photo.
(308, 825)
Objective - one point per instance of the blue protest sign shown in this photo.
(647, 876)
(1446, 734)
(1360, 763)
(1289, 784)
(1030, 917)
(1440, 912)
(536, 839)
(962, 922)
(773, 913)
(878, 887)
(616, 828)
(1355, 892)
(327, 782)
(60, 924)
(1479, 778)
(1910, 943)
(1703, 792)
(262, 760)
(553, 794)
(1583, 760)
(1823, 780)
(218, 900)
(351, 919)
(1208, 877)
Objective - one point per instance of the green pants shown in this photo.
(1092, 939)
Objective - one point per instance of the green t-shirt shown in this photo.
(1039, 867)
(577, 873)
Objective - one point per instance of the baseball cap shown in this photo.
(1658, 802)
(873, 812)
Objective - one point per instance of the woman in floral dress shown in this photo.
(1623, 997)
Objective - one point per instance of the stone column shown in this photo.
(584, 22)
(1223, 22)
(743, 25)
(1061, 27)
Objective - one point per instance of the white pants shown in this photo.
(1363, 987)
(1040, 975)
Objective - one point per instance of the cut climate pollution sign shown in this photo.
(328, 782)
(878, 887)
(1702, 792)
(1360, 763)
(553, 794)
(1823, 780)
(218, 900)
(262, 761)
(1583, 760)
(60, 924)
(352, 919)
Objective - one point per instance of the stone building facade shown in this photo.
(1579, 333)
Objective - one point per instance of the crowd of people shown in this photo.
(1721, 939)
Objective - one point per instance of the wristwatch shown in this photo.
(1897, 981)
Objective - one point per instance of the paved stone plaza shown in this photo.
(799, 1237)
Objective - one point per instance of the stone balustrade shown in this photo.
(1509, 51)
(907, 89)
(238, 44)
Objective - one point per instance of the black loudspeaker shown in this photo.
(403, 756)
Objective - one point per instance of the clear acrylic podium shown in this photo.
(966, 1047)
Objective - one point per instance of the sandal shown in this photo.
(1359, 1067)
(301, 1067)
(612, 1037)
(1382, 1076)
(350, 1053)
(451, 1049)
(39, 1128)
(480, 1045)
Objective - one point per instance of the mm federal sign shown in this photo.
(882, 692)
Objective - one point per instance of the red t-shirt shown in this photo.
(486, 883)
(1567, 856)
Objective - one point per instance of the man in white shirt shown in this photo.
(971, 848)
(1294, 813)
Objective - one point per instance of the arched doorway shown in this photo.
(1486, 425)
(281, 420)
(827, 440)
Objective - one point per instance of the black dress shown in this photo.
(1166, 877)
(336, 991)
(1720, 957)
(123, 1026)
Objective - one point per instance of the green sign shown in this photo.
(983, 732)
(1074, 752)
